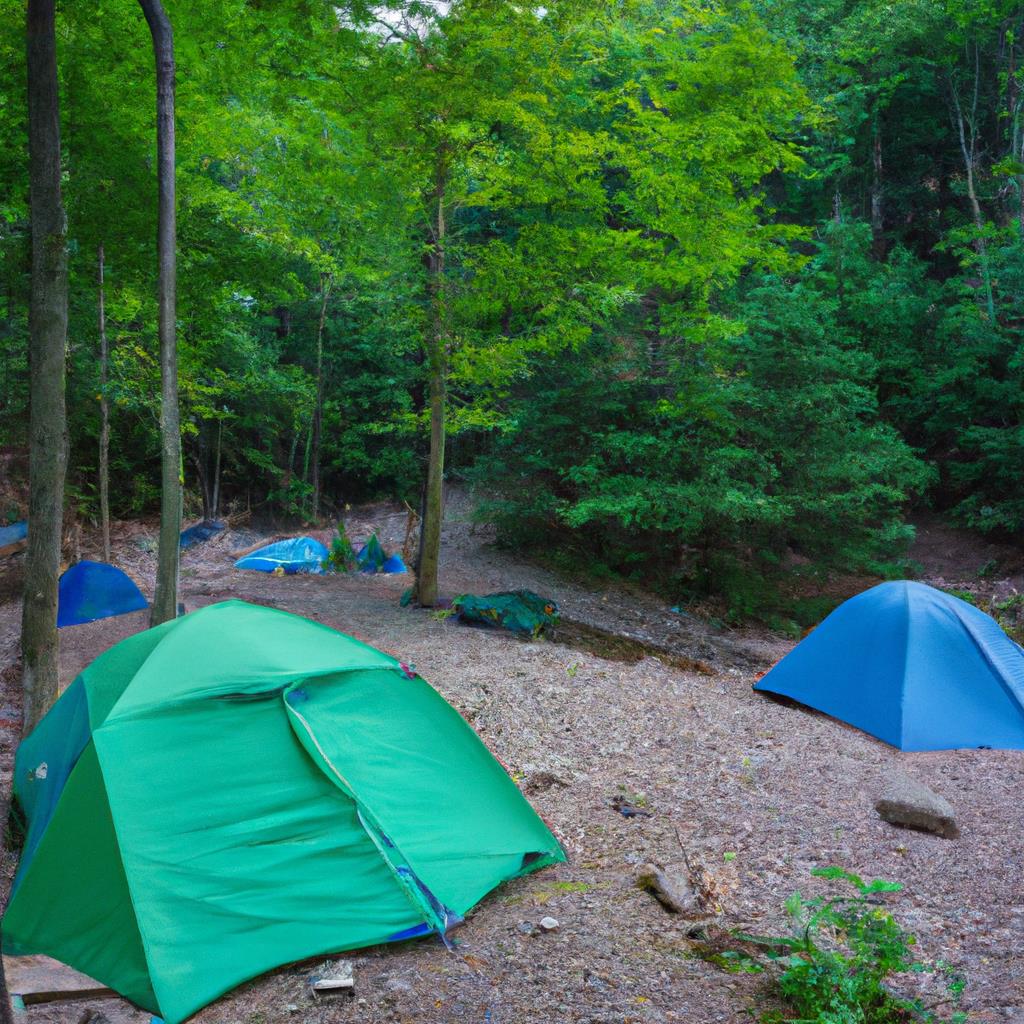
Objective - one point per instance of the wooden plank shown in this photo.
(10, 549)
(39, 979)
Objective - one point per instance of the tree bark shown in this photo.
(165, 600)
(216, 470)
(429, 557)
(877, 217)
(48, 326)
(326, 281)
(104, 415)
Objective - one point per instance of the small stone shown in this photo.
(908, 803)
(94, 1017)
(292, 1008)
(333, 978)
(525, 928)
(671, 889)
(549, 924)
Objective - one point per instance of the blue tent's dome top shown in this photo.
(912, 665)
(95, 590)
(298, 554)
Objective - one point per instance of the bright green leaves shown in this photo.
(845, 960)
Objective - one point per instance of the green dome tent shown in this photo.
(241, 788)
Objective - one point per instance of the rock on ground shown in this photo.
(911, 804)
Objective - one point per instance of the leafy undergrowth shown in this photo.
(842, 960)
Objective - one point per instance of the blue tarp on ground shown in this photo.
(95, 590)
(13, 533)
(298, 554)
(915, 667)
(199, 533)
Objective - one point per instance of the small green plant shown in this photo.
(631, 797)
(836, 965)
(342, 556)
(1009, 613)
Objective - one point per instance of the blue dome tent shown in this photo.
(94, 590)
(299, 554)
(912, 665)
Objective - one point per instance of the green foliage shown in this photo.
(723, 293)
(749, 457)
(842, 959)
(342, 556)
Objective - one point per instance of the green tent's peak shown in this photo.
(234, 647)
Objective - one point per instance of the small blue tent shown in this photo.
(299, 554)
(912, 665)
(94, 590)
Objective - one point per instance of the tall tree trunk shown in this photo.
(967, 131)
(165, 600)
(877, 217)
(104, 416)
(326, 281)
(437, 370)
(48, 328)
(216, 470)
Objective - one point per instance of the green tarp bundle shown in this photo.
(241, 788)
(521, 611)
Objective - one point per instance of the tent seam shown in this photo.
(414, 899)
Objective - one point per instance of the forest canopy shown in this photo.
(711, 294)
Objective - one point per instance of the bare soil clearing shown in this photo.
(721, 770)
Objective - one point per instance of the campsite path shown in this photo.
(755, 792)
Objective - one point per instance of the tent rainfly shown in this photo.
(296, 555)
(912, 665)
(242, 788)
(94, 590)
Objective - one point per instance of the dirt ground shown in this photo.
(754, 792)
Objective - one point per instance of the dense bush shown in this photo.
(749, 455)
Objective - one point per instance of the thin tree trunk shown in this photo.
(48, 326)
(877, 217)
(201, 463)
(165, 600)
(104, 417)
(326, 281)
(968, 149)
(216, 469)
(429, 557)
